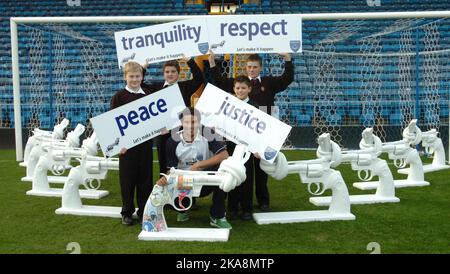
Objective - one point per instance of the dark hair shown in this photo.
(190, 111)
(255, 58)
(172, 63)
(242, 79)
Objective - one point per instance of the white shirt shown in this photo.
(259, 78)
(183, 155)
(166, 84)
(196, 138)
(140, 91)
(190, 153)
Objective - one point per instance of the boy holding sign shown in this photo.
(190, 149)
(263, 93)
(171, 72)
(243, 194)
(135, 164)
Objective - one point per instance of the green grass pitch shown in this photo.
(420, 223)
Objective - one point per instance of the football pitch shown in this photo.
(420, 223)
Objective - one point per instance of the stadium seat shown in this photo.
(334, 119)
(303, 120)
(396, 119)
(349, 75)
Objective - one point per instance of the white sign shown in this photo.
(221, 34)
(255, 34)
(241, 122)
(162, 42)
(136, 122)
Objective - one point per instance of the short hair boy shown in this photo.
(136, 163)
(190, 150)
(264, 89)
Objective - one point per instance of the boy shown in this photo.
(243, 194)
(190, 150)
(171, 72)
(263, 93)
(136, 163)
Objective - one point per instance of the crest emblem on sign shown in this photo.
(269, 153)
(295, 45)
(203, 47)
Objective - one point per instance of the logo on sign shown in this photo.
(111, 146)
(203, 47)
(269, 153)
(295, 45)
(129, 58)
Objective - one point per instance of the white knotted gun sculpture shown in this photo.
(433, 146)
(57, 159)
(72, 141)
(91, 169)
(365, 161)
(182, 186)
(402, 153)
(317, 173)
(40, 135)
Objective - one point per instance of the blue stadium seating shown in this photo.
(299, 94)
(396, 119)
(303, 120)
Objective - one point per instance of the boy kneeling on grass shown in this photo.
(189, 149)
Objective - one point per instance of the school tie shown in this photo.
(255, 82)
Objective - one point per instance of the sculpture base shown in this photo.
(51, 179)
(187, 234)
(57, 192)
(300, 217)
(426, 169)
(356, 200)
(397, 184)
(97, 211)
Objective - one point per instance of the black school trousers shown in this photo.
(261, 189)
(136, 177)
(243, 194)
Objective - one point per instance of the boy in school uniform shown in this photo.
(136, 163)
(171, 73)
(189, 149)
(242, 196)
(264, 89)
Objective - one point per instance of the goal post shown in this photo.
(334, 88)
(14, 21)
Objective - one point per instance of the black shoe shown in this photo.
(264, 208)
(126, 220)
(247, 216)
(232, 215)
(194, 206)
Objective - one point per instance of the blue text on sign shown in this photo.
(145, 113)
(254, 29)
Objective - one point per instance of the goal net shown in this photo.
(351, 74)
(354, 74)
